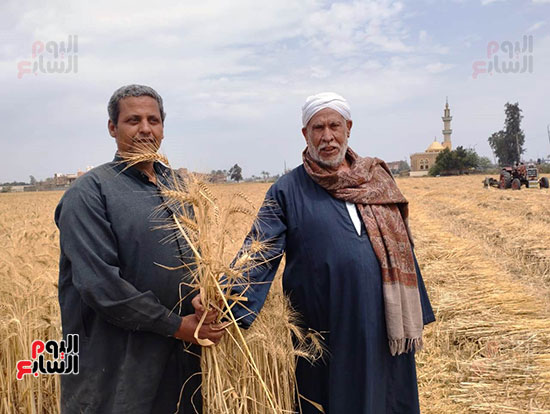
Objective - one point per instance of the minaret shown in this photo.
(447, 126)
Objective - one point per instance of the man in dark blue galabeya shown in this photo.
(350, 270)
(135, 335)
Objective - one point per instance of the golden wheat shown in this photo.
(484, 255)
(28, 297)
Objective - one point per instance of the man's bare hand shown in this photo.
(212, 314)
(188, 326)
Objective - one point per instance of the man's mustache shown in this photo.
(323, 146)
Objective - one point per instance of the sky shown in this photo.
(234, 75)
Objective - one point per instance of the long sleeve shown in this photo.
(270, 228)
(90, 248)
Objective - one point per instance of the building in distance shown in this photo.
(421, 162)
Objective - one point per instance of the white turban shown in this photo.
(315, 103)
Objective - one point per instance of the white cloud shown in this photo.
(234, 75)
(426, 44)
(319, 72)
(536, 26)
(357, 28)
(470, 39)
(438, 67)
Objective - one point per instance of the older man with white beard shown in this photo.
(350, 270)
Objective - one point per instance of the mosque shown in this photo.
(422, 161)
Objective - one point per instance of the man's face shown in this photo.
(139, 124)
(327, 135)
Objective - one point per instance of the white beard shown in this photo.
(332, 163)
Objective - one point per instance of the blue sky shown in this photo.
(234, 75)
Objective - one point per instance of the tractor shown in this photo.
(516, 176)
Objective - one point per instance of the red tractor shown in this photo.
(515, 177)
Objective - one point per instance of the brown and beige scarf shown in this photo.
(384, 211)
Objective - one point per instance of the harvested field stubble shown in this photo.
(484, 256)
(489, 351)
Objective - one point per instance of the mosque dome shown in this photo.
(435, 147)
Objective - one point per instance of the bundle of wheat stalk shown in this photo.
(249, 371)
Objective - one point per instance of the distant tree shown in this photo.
(13, 183)
(442, 162)
(466, 158)
(32, 180)
(507, 144)
(484, 163)
(235, 173)
(403, 166)
(457, 161)
(265, 175)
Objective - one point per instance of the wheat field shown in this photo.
(485, 257)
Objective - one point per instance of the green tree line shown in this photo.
(459, 161)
